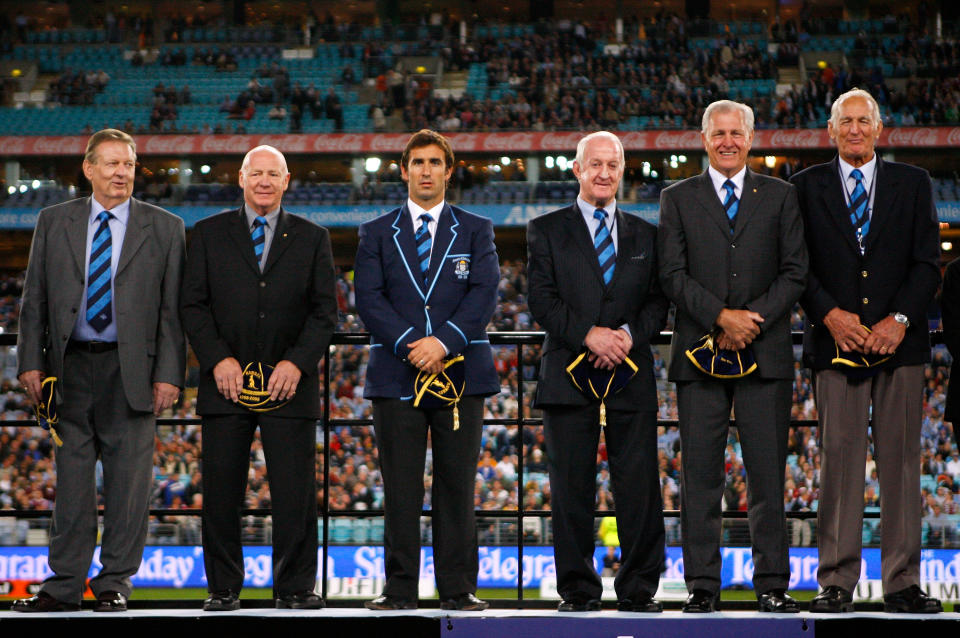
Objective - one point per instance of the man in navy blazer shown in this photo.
(426, 278)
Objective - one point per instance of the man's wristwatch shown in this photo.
(901, 318)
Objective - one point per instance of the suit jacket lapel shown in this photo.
(77, 233)
(749, 198)
(282, 238)
(407, 247)
(135, 235)
(624, 244)
(240, 234)
(579, 234)
(708, 199)
(885, 192)
(831, 193)
(442, 241)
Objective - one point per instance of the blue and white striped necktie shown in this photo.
(99, 280)
(731, 204)
(424, 243)
(859, 214)
(603, 244)
(258, 234)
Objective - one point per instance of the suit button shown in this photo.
(734, 274)
(426, 307)
(263, 284)
(865, 301)
(73, 310)
(262, 315)
(65, 337)
(733, 245)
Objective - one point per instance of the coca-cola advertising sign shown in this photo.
(499, 142)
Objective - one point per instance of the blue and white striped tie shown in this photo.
(731, 204)
(424, 243)
(99, 293)
(259, 238)
(603, 243)
(859, 215)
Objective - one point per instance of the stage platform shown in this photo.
(498, 623)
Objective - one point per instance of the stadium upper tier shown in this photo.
(515, 77)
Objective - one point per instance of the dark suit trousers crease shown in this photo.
(762, 408)
(572, 434)
(96, 420)
(289, 446)
(401, 432)
(844, 409)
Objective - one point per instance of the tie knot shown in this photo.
(104, 216)
(730, 186)
(600, 214)
(856, 174)
(260, 220)
(426, 218)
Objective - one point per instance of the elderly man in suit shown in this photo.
(733, 260)
(873, 238)
(592, 270)
(99, 313)
(259, 289)
(426, 279)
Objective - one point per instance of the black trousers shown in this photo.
(572, 434)
(401, 431)
(290, 449)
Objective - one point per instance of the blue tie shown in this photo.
(731, 204)
(603, 244)
(423, 244)
(99, 295)
(259, 238)
(859, 216)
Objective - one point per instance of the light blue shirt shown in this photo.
(83, 331)
(869, 171)
(268, 229)
(719, 179)
(593, 223)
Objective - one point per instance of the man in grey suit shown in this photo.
(733, 260)
(100, 314)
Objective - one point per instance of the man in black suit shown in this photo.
(259, 288)
(732, 259)
(593, 284)
(873, 237)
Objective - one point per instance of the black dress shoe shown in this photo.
(643, 603)
(464, 602)
(832, 600)
(778, 601)
(306, 599)
(222, 601)
(388, 602)
(579, 604)
(701, 601)
(110, 601)
(911, 600)
(41, 604)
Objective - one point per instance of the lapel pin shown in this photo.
(286, 234)
(754, 190)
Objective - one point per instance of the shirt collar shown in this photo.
(416, 210)
(252, 215)
(587, 210)
(719, 179)
(121, 212)
(867, 169)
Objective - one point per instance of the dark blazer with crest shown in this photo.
(704, 268)
(898, 272)
(454, 304)
(567, 298)
(231, 309)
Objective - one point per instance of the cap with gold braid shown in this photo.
(719, 362)
(254, 395)
(46, 409)
(441, 389)
(858, 364)
(600, 383)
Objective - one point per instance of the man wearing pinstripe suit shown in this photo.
(593, 284)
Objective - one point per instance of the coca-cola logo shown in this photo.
(225, 144)
(796, 138)
(383, 143)
(336, 143)
(285, 143)
(58, 145)
(912, 137)
(953, 138)
(634, 141)
(464, 141)
(508, 142)
(163, 144)
(677, 140)
(559, 141)
(12, 145)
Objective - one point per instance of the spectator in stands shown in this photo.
(119, 361)
(418, 326)
(587, 308)
(882, 315)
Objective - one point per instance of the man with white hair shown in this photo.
(258, 294)
(592, 270)
(732, 259)
(872, 233)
